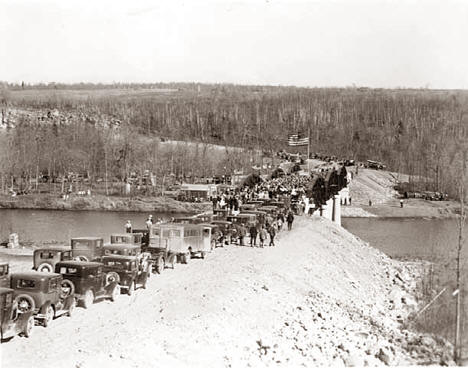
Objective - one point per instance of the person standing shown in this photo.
(253, 235)
(128, 227)
(149, 221)
(242, 233)
(272, 232)
(290, 220)
(263, 236)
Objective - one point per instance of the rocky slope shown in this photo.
(320, 297)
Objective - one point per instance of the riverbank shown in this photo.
(321, 297)
(377, 187)
(101, 203)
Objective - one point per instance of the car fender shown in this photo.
(110, 288)
(22, 320)
(44, 307)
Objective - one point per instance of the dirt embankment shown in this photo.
(321, 297)
(376, 186)
(102, 203)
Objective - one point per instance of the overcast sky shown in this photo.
(306, 43)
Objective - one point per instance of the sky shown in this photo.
(316, 43)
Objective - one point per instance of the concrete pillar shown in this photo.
(337, 210)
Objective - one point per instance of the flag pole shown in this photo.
(308, 149)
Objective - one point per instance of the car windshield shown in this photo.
(3, 269)
(117, 264)
(68, 270)
(25, 284)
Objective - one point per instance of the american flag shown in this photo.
(297, 140)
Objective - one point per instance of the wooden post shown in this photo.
(458, 290)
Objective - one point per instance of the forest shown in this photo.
(419, 132)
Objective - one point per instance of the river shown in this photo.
(46, 225)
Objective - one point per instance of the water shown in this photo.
(47, 225)
(434, 240)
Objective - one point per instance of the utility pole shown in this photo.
(458, 290)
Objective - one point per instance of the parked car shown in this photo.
(42, 294)
(126, 271)
(87, 248)
(4, 275)
(158, 248)
(227, 229)
(88, 281)
(45, 259)
(12, 322)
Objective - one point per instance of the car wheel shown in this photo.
(160, 265)
(49, 316)
(45, 267)
(203, 254)
(115, 293)
(25, 303)
(88, 299)
(29, 326)
(72, 308)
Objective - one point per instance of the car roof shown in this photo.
(221, 222)
(121, 246)
(4, 290)
(4, 264)
(122, 234)
(120, 257)
(79, 264)
(52, 249)
(86, 238)
(34, 275)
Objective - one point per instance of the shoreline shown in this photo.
(101, 203)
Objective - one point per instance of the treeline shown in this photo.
(418, 132)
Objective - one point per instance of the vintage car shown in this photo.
(248, 207)
(126, 271)
(182, 240)
(45, 259)
(227, 229)
(246, 219)
(126, 238)
(12, 322)
(87, 248)
(158, 248)
(88, 281)
(204, 217)
(44, 294)
(4, 275)
(259, 215)
(271, 210)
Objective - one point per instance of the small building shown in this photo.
(200, 191)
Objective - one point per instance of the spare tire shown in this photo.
(45, 267)
(67, 288)
(25, 303)
(112, 277)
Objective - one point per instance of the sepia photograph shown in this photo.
(233, 183)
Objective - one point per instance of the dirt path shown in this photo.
(377, 186)
(320, 297)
